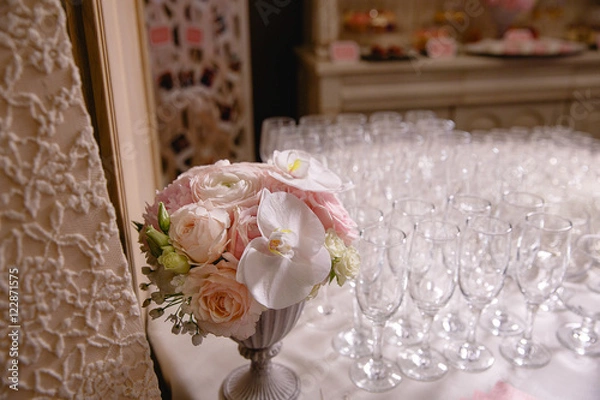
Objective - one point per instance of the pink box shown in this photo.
(344, 50)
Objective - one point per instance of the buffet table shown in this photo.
(197, 372)
(478, 92)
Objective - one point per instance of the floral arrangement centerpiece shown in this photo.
(227, 241)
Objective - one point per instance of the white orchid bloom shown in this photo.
(281, 267)
(301, 170)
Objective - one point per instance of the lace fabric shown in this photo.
(74, 327)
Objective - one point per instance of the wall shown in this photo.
(275, 31)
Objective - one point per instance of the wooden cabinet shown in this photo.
(527, 115)
(477, 92)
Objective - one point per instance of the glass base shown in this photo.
(245, 383)
(577, 271)
(553, 304)
(581, 341)
(499, 322)
(375, 376)
(450, 326)
(421, 365)
(351, 343)
(525, 353)
(594, 284)
(469, 357)
(404, 332)
(325, 316)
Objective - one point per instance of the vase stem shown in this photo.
(263, 379)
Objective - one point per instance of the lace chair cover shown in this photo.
(74, 326)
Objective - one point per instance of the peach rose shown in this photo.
(221, 305)
(199, 233)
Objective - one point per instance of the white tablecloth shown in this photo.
(197, 372)
(557, 166)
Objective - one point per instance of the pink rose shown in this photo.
(199, 233)
(243, 229)
(333, 215)
(225, 185)
(327, 206)
(174, 196)
(221, 305)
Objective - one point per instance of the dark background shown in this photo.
(273, 36)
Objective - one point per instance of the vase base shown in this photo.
(278, 384)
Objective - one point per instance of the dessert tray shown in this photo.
(542, 47)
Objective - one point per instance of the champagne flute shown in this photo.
(359, 119)
(579, 216)
(484, 257)
(513, 207)
(406, 212)
(581, 337)
(316, 120)
(385, 118)
(269, 134)
(590, 246)
(543, 253)
(433, 264)
(450, 323)
(579, 263)
(380, 288)
(353, 342)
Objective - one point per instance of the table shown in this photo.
(197, 372)
(559, 163)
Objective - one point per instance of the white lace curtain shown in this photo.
(74, 328)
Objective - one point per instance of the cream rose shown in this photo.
(226, 185)
(199, 233)
(345, 259)
(334, 244)
(347, 266)
(221, 305)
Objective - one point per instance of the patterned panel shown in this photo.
(200, 76)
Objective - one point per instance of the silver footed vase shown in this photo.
(263, 379)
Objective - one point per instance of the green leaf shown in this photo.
(138, 226)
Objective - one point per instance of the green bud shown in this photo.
(197, 339)
(175, 262)
(164, 221)
(168, 249)
(159, 238)
(155, 249)
(156, 313)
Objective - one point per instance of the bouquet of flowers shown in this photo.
(224, 242)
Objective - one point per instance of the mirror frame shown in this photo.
(109, 46)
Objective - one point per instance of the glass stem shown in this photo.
(357, 322)
(377, 341)
(587, 332)
(427, 321)
(532, 310)
(325, 307)
(472, 335)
